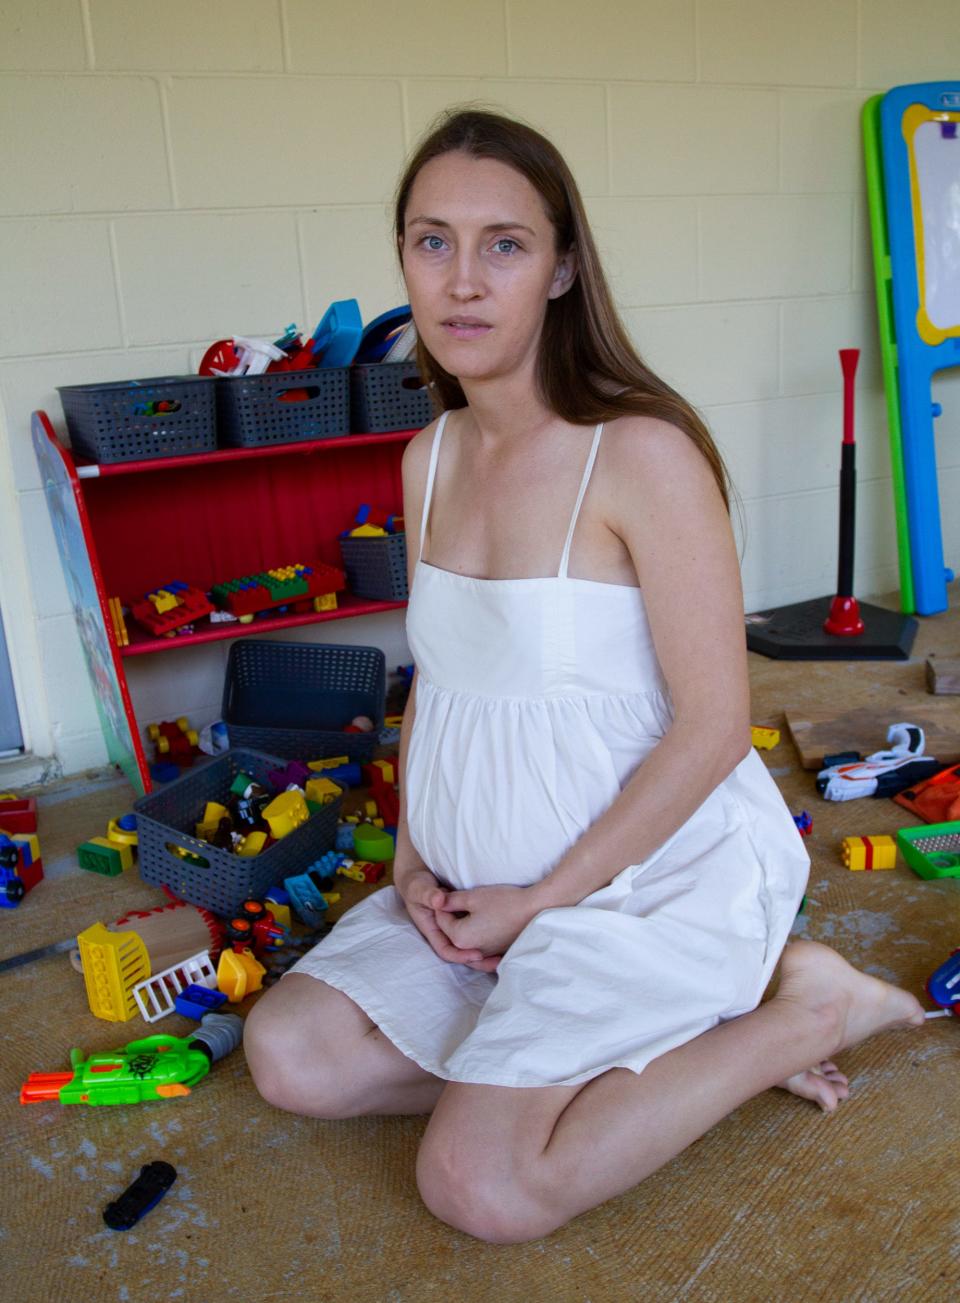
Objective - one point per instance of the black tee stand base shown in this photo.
(796, 633)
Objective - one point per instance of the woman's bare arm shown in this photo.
(416, 458)
(666, 506)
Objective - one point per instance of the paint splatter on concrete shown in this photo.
(40, 1166)
(88, 1148)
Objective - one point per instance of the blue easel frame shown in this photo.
(917, 360)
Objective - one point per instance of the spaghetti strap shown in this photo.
(431, 476)
(565, 558)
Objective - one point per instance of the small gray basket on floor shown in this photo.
(119, 421)
(166, 820)
(376, 567)
(388, 396)
(293, 699)
(283, 407)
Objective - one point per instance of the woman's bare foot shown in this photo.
(825, 1085)
(817, 979)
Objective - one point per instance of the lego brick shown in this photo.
(17, 814)
(101, 856)
(867, 853)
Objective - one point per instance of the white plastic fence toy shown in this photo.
(155, 995)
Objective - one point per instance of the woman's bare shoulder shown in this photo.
(416, 456)
(647, 443)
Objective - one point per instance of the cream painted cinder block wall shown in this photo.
(173, 173)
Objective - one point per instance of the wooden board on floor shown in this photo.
(819, 733)
(943, 676)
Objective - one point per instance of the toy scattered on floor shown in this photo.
(255, 928)
(804, 822)
(116, 957)
(937, 799)
(932, 851)
(197, 1001)
(372, 843)
(144, 1193)
(302, 587)
(867, 853)
(943, 986)
(155, 995)
(21, 867)
(112, 854)
(764, 738)
(381, 777)
(167, 610)
(882, 774)
(17, 814)
(239, 974)
(175, 740)
(311, 892)
(156, 1067)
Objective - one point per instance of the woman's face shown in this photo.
(480, 263)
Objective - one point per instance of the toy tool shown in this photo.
(838, 627)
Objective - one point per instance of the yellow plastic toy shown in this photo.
(252, 844)
(239, 973)
(866, 853)
(113, 963)
(321, 791)
(212, 814)
(764, 738)
(285, 813)
(332, 762)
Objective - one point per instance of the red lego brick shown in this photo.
(18, 814)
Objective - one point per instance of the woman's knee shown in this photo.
(292, 1066)
(496, 1212)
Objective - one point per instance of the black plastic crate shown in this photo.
(166, 819)
(119, 421)
(294, 698)
(388, 396)
(283, 407)
(376, 567)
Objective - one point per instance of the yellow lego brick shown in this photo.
(322, 790)
(332, 762)
(252, 844)
(764, 738)
(286, 812)
(164, 600)
(328, 602)
(386, 768)
(868, 853)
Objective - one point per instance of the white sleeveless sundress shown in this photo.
(536, 701)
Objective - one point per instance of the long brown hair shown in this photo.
(588, 368)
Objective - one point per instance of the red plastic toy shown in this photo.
(167, 609)
(17, 814)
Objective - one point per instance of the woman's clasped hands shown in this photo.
(473, 927)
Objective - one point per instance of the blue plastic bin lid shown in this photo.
(336, 339)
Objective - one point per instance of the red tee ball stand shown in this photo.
(837, 628)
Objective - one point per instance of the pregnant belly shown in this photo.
(501, 810)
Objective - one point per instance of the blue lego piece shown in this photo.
(344, 840)
(306, 898)
(128, 822)
(164, 771)
(348, 774)
(195, 1001)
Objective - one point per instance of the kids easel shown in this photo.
(912, 150)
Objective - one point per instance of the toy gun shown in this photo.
(157, 1067)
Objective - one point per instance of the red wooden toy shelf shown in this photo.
(219, 515)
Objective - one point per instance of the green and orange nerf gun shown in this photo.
(157, 1067)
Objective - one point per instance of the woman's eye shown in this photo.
(432, 242)
(505, 245)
